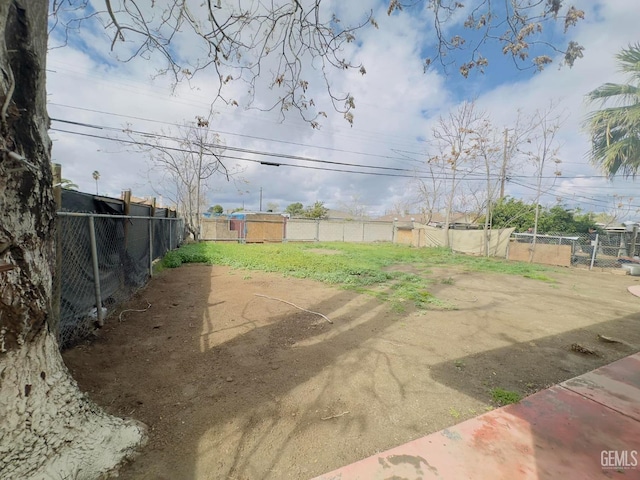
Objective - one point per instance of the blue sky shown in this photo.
(397, 106)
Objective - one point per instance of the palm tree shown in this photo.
(68, 184)
(615, 130)
(96, 177)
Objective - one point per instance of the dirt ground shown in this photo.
(237, 386)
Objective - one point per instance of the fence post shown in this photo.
(363, 236)
(317, 229)
(170, 229)
(96, 270)
(57, 280)
(150, 246)
(284, 229)
(393, 231)
(593, 254)
(126, 198)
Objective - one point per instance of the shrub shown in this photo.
(172, 259)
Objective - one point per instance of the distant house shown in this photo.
(458, 221)
(341, 215)
(627, 226)
(411, 217)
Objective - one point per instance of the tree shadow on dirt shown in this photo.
(257, 370)
(551, 357)
(219, 395)
(563, 429)
(219, 406)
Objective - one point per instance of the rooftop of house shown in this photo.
(425, 218)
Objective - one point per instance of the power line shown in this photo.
(478, 176)
(235, 149)
(253, 137)
(198, 101)
(575, 197)
(414, 172)
(230, 157)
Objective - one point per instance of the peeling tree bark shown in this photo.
(48, 428)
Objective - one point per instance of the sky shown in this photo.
(92, 93)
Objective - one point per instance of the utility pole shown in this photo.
(197, 225)
(260, 198)
(503, 170)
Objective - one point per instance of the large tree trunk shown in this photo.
(48, 428)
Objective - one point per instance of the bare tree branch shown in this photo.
(237, 41)
(187, 160)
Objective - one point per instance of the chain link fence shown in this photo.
(103, 261)
(586, 250)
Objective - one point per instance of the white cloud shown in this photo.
(395, 105)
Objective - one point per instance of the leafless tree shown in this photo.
(541, 149)
(492, 157)
(401, 208)
(472, 166)
(429, 188)
(454, 142)
(515, 136)
(185, 160)
(354, 207)
(621, 207)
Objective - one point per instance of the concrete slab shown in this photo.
(565, 432)
(616, 385)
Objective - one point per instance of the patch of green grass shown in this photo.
(413, 288)
(505, 397)
(538, 276)
(158, 268)
(398, 307)
(360, 267)
(371, 292)
(447, 281)
(454, 413)
(172, 259)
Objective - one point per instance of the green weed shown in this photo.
(398, 307)
(505, 397)
(172, 259)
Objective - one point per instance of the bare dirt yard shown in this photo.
(237, 386)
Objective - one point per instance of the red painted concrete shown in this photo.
(558, 433)
(616, 385)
